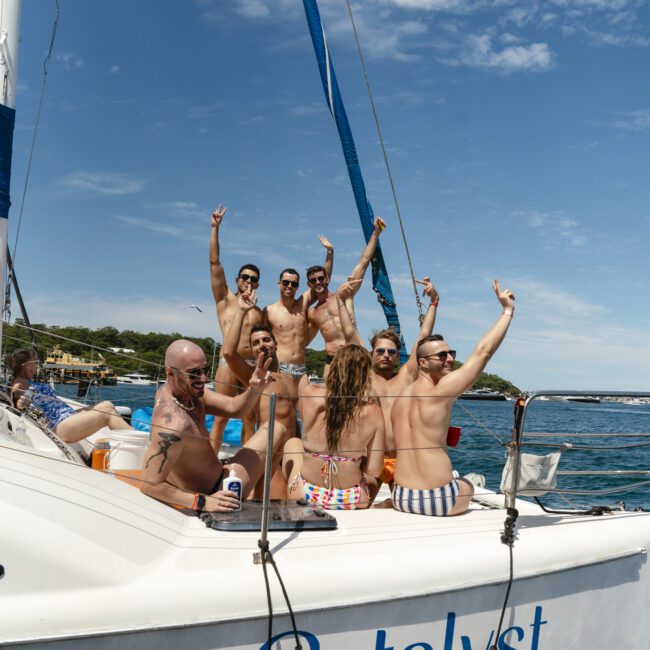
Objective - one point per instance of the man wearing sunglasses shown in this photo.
(425, 482)
(263, 342)
(324, 316)
(388, 380)
(248, 278)
(180, 466)
(288, 318)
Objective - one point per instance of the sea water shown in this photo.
(487, 426)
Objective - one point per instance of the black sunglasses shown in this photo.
(391, 352)
(290, 283)
(317, 279)
(442, 356)
(249, 278)
(194, 373)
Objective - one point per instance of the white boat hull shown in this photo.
(575, 609)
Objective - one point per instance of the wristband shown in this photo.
(508, 312)
(199, 503)
(434, 304)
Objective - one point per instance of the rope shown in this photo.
(267, 556)
(390, 175)
(507, 538)
(36, 125)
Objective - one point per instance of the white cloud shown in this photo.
(69, 61)
(307, 111)
(112, 183)
(478, 52)
(637, 120)
(554, 227)
(185, 209)
(115, 69)
(431, 5)
(253, 9)
(155, 226)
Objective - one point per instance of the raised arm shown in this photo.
(460, 380)
(217, 274)
(240, 405)
(329, 255)
(410, 368)
(368, 253)
(343, 298)
(245, 303)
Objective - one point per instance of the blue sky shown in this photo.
(518, 133)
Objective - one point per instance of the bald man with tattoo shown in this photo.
(180, 466)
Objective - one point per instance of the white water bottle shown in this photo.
(20, 434)
(28, 397)
(233, 483)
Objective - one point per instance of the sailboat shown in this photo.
(87, 560)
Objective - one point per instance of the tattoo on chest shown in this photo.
(168, 439)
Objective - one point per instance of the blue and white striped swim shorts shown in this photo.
(434, 503)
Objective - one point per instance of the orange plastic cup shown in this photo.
(101, 454)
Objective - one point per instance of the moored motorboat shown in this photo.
(484, 394)
(136, 379)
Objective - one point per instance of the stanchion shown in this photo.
(266, 500)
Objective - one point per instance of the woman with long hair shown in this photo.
(342, 436)
(68, 424)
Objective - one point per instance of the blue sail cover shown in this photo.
(380, 281)
(7, 117)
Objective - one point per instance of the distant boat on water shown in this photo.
(484, 394)
(583, 398)
(136, 379)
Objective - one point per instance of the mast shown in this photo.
(380, 280)
(9, 36)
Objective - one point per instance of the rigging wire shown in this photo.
(46, 62)
(385, 154)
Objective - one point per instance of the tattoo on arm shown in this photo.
(168, 439)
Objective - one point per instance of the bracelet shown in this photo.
(508, 312)
(199, 503)
(434, 304)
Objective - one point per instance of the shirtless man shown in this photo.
(325, 315)
(424, 480)
(288, 318)
(385, 351)
(248, 278)
(180, 466)
(263, 342)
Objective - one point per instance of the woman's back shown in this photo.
(360, 445)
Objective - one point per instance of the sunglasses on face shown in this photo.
(290, 283)
(253, 279)
(195, 373)
(319, 279)
(442, 356)
(391, 352)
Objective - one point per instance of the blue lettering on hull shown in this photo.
(512, 638)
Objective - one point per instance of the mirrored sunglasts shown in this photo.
(391, 352)
(195, 373)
